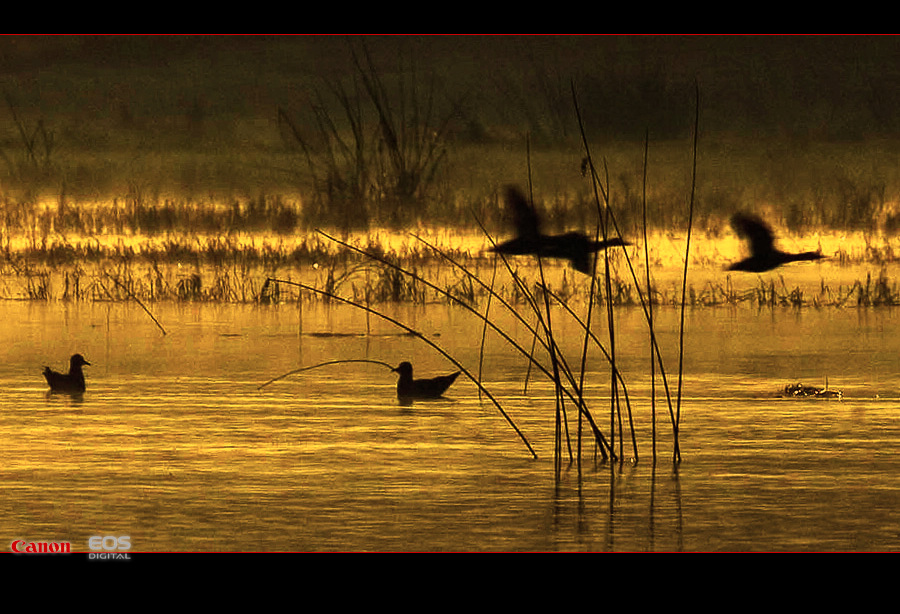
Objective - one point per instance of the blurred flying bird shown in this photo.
(70, 382)
(763, 254)
(572, 246)
(409, 388)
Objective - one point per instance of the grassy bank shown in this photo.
(233, 266)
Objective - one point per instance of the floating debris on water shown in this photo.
(798, 390)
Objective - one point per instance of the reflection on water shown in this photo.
(174, 445)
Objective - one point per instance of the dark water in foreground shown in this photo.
(175, 446)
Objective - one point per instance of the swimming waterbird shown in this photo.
(764, 256)
(409, 388)
(575, 247)
(70, 382)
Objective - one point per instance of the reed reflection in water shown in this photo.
(174, 445)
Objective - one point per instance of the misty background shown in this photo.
(786, 120)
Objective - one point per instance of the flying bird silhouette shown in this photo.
(409, 388)
(70, 382)
(764, 256)
(575, 247)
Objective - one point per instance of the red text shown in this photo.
(22, 547)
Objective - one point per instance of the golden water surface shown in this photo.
(175, 445)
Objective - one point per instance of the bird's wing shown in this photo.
(754, 230)
(581, 262)
(525, 218)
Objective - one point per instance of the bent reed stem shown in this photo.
(323, 364)
(420, 336)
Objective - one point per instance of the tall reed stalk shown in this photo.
(649, 295)
(601, 196)
(687, 249)
(538, 333)
(605, 217)
(562, 377)
(568, 383)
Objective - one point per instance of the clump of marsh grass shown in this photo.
(880, 292)
(38, 287)
(32, 158)
(364, 169)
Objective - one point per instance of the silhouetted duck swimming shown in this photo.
(763, 254)
(409, 388)
(70, 382)
(575, 247)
